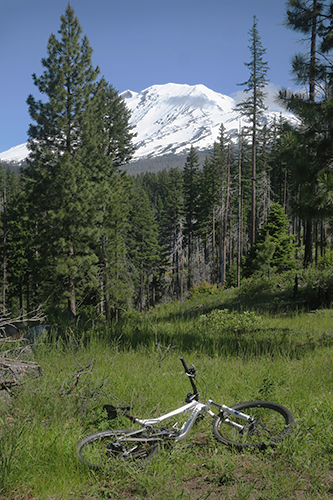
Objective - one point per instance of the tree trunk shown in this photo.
(239, 228)
(225, 229)
(308, 258)
(254, 160)
(308, 244)
(12, 371)
(71, 289)
(189, 256)
(313, 51)
(181, 264)
(213, 273)
(4, 243)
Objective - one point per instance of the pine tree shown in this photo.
(253, 106)
(21, 258)
(277, 226)
(274, 248)
(79, 139)
(10, 190)
(144, 250)
(170, 216)
(107, 147)
(212, 189)
(115, 274)
(111, 119)
(307, 17)
(57, 177)
(191, 197)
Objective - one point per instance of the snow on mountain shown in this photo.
(15, 154)
(169, 118)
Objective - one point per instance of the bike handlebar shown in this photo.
(187, 370)
(190, 372)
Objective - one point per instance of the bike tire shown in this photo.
(272, 423)
(102, 447)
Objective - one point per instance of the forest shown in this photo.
(79, 234)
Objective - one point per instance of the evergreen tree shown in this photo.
(211, 203)
(113, 131)
(107, 147)
(253, 106)
(191, 200)
(21, 258)
(116, 286)
(10, 192)
(170, 218)
(144, 250)
(80, 138)
(57, 178)
(262, 263)
(274, 248)
(307, 17)
(277, 226)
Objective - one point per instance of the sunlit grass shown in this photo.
(288, 361)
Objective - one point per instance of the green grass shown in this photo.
(287, 360)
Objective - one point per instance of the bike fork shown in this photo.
(231, 411)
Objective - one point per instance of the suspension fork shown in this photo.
(228, 410)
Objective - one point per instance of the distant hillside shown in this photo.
(163, 162)
(13, 165)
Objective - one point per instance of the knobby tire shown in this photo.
(105, 446)
(272, 423)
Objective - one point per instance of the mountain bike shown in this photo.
(253, 424)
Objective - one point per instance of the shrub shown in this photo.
(224, 321)
(326, 262)
(203, 289)
(256, 285)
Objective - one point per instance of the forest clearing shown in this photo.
(241, 356)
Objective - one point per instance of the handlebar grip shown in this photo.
(187, 370)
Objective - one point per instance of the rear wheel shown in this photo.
(114, 446)
(270, 423)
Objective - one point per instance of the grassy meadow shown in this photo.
(240, 356)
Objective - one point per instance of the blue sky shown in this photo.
(139, 43)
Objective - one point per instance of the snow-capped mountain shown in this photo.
(169, 118)
(15, 154)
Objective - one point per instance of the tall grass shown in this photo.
(284, 359)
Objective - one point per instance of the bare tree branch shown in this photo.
(167, 349)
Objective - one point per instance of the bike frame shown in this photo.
(197, 408)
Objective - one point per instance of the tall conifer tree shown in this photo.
(143, 245)
(307, 17)
(253, 106)
(58, 177)
(191, 199)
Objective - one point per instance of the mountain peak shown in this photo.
(170, 118)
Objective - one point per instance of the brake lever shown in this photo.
(192, 371)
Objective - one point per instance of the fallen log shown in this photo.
(13, 372)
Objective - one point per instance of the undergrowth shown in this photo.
(240, 356)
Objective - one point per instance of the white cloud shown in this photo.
(272, 91)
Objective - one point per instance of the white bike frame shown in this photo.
(196, 407)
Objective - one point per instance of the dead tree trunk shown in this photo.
(13, 372)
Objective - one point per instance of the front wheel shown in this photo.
(270, 423)
(113, 446)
